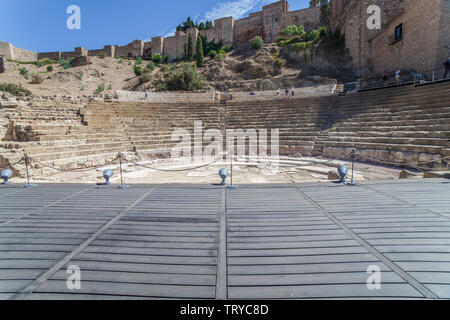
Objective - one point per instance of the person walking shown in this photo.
(146, 95)
(286, 92)
(447, 68)
(279, 93)
(293, 91)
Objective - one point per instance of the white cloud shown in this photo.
(169, 33)
(236, 9)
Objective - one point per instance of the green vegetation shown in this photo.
(293, 30)
(151, 66)
(189, 23)
(146, 77)
(137, 70)
(199, 52)
(212, 54)
(66, 63)
(38, 63)
(50, 69)
(100, 88)
(297, 38)
(14, 89)
(181, 77)
(102, 55)
(190, 48)
(23, 72)
(138, 61)
(257, 42)
(157, 58)
(36, 79)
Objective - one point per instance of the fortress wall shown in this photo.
(96, 52)
(273, 15)
(174, 46)
(247, 28)
(443, 50)
(309, 18)
(351, 17)
(157, 45)
(124, 51)
(49, 55)
(6, 50)
(420, 48)
(66, 55)
(24, 55)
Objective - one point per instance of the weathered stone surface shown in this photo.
(333, 175)
(80, 61)
(2, 65)
(404, 175)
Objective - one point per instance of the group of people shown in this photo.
(286, 92)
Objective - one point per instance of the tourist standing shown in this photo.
(146, 95)
(447, 68)
(397, 76)
(279, 93)
(385, 77)
(293, 91)
(286, 92)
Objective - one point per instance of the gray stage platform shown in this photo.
(205, 242)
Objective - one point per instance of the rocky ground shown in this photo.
(240, 70)
(290, 170)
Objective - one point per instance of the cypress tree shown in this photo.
(190, 48)
(199, 51)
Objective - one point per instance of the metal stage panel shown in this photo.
(289, 241)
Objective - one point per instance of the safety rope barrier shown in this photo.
(121, 157)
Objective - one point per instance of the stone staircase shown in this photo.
(401, 125)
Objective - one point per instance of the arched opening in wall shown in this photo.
(148, 54)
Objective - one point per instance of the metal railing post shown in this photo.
(27, 162)
(122, 186)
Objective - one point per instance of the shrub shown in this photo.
(110, 87)
(165, 59)
(226, 48)
(137, 70)
(146, 77)
(257, 42)
(184, 77)
(293, 30)
(50, 69)
(138, 61)
(212, 53)
(23, 71)
(14, 89)
(220, 56)
(157, 58)
(102, 55)
(151, 66)
(66, 64)
(100, 88)
(36, 79)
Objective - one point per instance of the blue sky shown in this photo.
(40, 25)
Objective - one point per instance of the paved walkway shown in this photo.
(206, 242)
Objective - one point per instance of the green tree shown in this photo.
(209, 25)
(190, 48)
(199, 52)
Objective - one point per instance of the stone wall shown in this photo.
(266, 23)
(8, 51)
(49, 55)
(425, 42)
